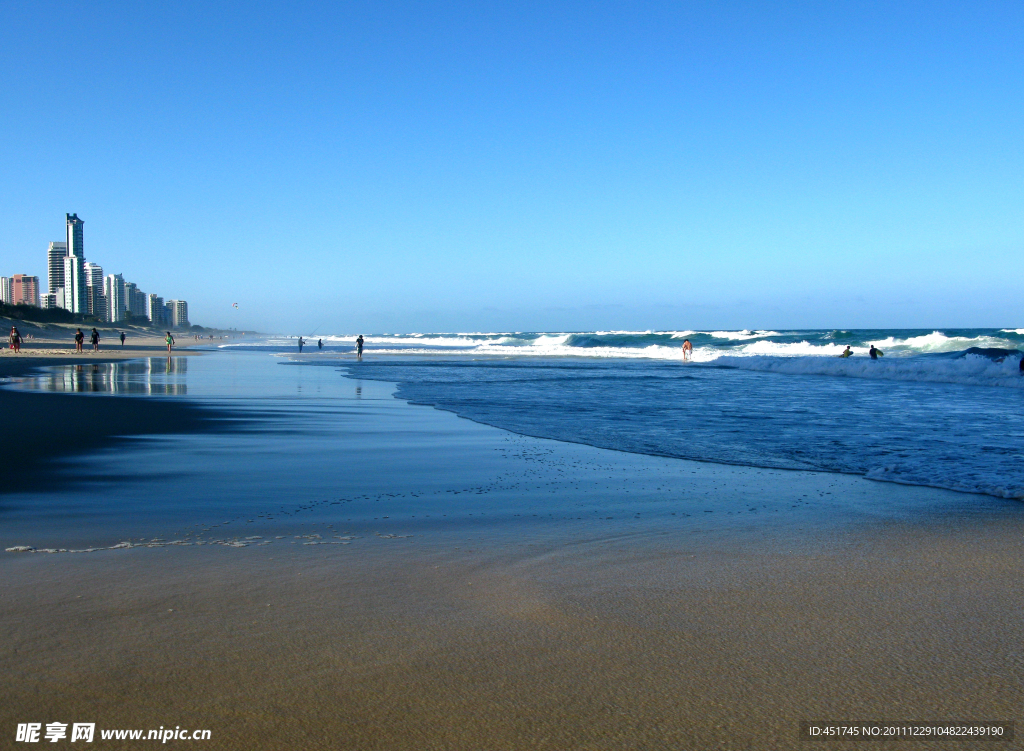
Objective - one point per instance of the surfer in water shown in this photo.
(847, 352)
(687, 350)
(875, 353)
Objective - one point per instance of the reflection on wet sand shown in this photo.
(152, 376)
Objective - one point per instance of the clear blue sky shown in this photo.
(429, 166)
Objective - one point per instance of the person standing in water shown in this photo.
(122, 339)
(170, 342)
(95, 339)
(320, 344)
(875, 353)
(687, 350)
(301, 342)
(359, 347)
(847, 352)
(79, 338)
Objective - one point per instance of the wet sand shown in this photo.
(773, 597)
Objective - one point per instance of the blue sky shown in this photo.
(526, 166)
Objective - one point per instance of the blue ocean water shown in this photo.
(940, 408)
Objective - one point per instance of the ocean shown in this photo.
(940, 408)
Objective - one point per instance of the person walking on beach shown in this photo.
(122, 339)
(301, 342)
(359, 347)
(79, 338)
(170, 342)
(15, 339)
(687, 350)
(95, 339)
(875, 353)
(320, 344)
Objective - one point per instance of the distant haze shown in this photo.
(397, 167)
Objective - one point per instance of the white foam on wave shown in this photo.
(1013, 331)
(740, 335)
(939, 342)
(971, 370)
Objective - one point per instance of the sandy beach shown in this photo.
(710, 607)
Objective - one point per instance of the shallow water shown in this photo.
(329, 459)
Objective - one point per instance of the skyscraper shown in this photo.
(94, 297)
(75, 298)
(157, 311)
(179, 313)
(55, 269)
(25, 289)
(114, 289)
(7, 290)
(76, 236)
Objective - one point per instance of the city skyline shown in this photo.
(80, 287)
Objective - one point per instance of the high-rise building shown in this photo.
(25, 289)
(55, 268)
(75, 298)
(95, 301)
(114, 292)
(76, 236)
(158, 313)
(47, 301)
(179, 313)
(135, 300)
(6, 290)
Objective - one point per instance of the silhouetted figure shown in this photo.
(875, 353)
(94, 337)
(320, 343)
(122, 338)
(79, 338)
(359, 347)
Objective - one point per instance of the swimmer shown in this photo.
(687, 350)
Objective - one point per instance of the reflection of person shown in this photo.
(170, 342)
(95, 339)
(847, 352)
(687, 349)
(122, 338)
(875, 353)
(79, 338)
(359, 347)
